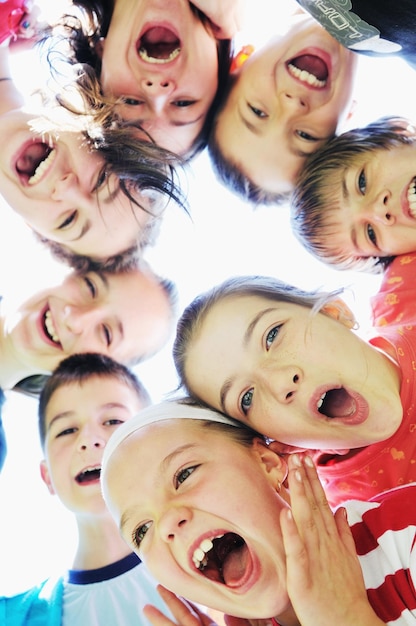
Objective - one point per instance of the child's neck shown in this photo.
(99, 542)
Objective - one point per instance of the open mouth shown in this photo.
(158, 45)
(34, 161)
(89, 475)
(223, 559)
(336, 403)
(411, 197)
(309, 69)
(49, 328)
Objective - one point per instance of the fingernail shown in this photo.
(296, 460)
(308, 461)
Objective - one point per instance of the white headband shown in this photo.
(158, 413)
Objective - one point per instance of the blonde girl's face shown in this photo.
(179, 491)
(58, 186)
(301, 378)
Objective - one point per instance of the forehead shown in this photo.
(96, 393)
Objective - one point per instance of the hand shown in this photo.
(227, 16)
(184, 612)
(324, 577)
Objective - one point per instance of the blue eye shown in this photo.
(271, 335)
(246, 401)
(362, 182)
(257, 112)
(371, 234)
(140, 532)
(183, 474)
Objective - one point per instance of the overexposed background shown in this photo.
(224, 237)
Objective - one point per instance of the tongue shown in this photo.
(312, 64)
(234, 565)
(338, 403)
(33, 155)
(159, 42)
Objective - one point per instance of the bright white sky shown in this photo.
(224, 238)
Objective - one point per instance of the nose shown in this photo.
(90, 438)
(65, 187)
(158, 86)
(173, 522)
(79, 319)
(294, 102)
(282, 383)
(381, 210)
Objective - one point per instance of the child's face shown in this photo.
(177, 487)
(378, 204)
(304, 379)
(60, 193)
(121, 315)
(79, 421)
(275, 115)
(160, 57)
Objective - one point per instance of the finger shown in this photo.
(297, 560)
(156, 617)
(184, 612)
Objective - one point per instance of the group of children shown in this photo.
(220, 500)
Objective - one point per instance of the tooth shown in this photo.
(143, 55)
(306, 76)
(199, 554)
(321, 401)
(42, 167)
(206, 545)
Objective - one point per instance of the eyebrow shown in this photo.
(246, 339)
(71, 413)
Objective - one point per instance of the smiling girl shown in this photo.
(91, 188)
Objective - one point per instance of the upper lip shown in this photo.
(91, 467)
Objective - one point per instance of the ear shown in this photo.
(99, 47)
(273, 464)
(44, 472)
(240, 58)
(338, 310)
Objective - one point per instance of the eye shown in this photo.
(91, 286)
(306, 136)
(183, 103)
(133, 102)
(256, 111)
(362, 182)
(114, 421)
(107, 335)
(101, 179)
(67, 431)
(183, 474)
(246, 401)
(140, 532)
(371, 234)
(68, 221)
(271, 335)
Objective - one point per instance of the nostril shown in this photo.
(149, 83)
(182, 522)
(165, 85)
(289, 395)
(388, 217)
(295, 378)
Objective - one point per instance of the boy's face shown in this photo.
(80, 418)
(377, 199)
(301, 378)
(287, 100)
(120, 315)
(178, 487)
